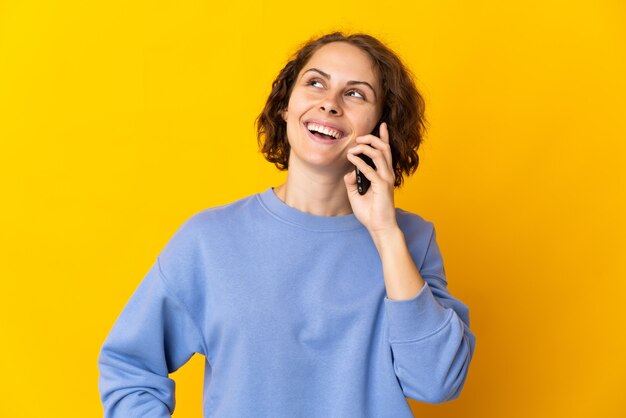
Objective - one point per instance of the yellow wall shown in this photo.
(118, 122)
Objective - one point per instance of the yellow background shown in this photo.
(119, 120)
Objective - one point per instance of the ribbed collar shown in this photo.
(287, 214)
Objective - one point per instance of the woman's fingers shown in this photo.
(350, 180)
(371, 174)
(377, 143)
(383, 165)
(383, 132)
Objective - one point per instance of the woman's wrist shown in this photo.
(388, 239)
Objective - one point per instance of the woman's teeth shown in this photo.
(333, 133)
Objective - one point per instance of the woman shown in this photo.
(310, 299)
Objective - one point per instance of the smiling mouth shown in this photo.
(324, 132)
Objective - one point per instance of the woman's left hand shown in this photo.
(375, 209)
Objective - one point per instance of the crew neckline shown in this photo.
(293, 216)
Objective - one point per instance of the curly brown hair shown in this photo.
(403, 105)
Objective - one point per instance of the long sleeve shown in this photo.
(153, 336)
(286, 307)
(430, 338)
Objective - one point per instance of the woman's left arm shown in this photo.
(428, 329)
(429, 333)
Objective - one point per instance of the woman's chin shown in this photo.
(337, 165)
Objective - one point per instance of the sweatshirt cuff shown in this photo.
(416, 318)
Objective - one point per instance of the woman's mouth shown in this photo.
(323, 132)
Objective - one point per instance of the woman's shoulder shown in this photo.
(184, 252)
(221, 212)
(413, 223)
(212, 223)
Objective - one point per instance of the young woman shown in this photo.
(311, 299)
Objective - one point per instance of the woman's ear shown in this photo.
(283, 114)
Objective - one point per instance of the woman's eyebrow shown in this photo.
(350, 83)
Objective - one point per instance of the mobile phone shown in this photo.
(362, 182)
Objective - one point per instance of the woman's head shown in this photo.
(399, 104)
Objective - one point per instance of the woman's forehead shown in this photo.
(344, 61)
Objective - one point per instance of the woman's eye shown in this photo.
(315, 83)
(356, 93)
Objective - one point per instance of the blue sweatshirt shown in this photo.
(290, 311)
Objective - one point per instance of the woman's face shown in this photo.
(335, 98)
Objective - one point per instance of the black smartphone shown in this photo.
(362, 182)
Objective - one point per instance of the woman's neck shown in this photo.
(315, 195)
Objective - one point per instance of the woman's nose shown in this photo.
(330, 105)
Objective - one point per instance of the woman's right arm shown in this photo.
(153, 336)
